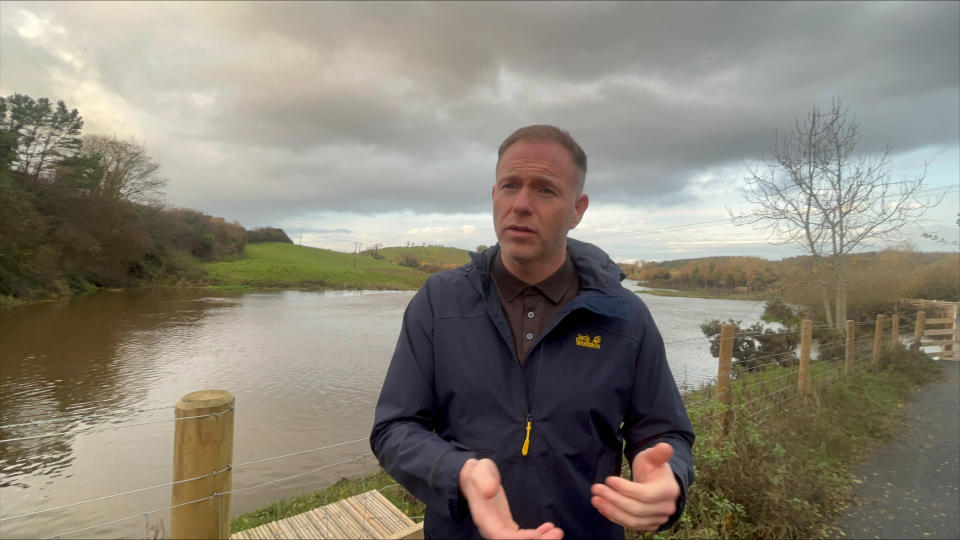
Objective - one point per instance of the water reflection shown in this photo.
(59, 361)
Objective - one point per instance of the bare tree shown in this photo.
(815, 193)
(129, 173)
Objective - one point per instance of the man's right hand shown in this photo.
(480, 484)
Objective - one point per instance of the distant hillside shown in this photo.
(282, 265)
(427, 258)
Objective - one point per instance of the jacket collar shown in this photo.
(599, 277)
(553, 287)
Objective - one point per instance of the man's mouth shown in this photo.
(520, 229)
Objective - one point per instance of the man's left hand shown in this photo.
(649, 500)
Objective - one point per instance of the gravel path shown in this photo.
(911, 486)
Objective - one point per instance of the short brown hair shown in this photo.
(545, 133)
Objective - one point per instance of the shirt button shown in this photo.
(529, 314)
(529, 335)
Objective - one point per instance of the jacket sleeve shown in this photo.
(657, 414)
(403, 436)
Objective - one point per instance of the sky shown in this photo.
(379, 123)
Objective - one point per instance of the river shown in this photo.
(103, 372)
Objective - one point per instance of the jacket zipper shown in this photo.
(526, 440)
(528, 400)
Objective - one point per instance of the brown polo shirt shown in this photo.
(529, 308)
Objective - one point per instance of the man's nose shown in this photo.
(521, 203)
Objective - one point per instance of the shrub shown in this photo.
(409, 260)
(776, 310)
(755, 345)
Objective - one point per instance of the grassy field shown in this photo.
(782, 471)
(434, 255)
(282, 265)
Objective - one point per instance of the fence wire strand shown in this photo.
(299, 453)
(138, 514)
(284, 479)
(107, 428)
(81, 416)
(185, 480)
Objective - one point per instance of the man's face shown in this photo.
(535, 201)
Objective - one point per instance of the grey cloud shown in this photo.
(655, 92)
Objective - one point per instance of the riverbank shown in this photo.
(272, 266)
(715, 294)
(783, 470)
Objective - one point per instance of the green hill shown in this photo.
(430, 258)
(282, 265)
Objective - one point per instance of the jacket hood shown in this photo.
(596, 269)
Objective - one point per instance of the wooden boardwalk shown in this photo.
(367, 515)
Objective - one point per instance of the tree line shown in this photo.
(80, 211)
(709, 273)
(876, 280)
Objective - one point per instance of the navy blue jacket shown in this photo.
(596, 381)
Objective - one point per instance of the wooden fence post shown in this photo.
(848, 360)
(803, 382)
(877, 337)
(202, 447)
(895, 330)
(918, 329)
(723, 375)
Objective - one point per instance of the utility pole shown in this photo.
(300, 241)
(356, 253)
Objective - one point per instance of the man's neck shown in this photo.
(532, 272)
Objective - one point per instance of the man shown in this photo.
(519, 378)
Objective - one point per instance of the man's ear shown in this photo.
(579, 207)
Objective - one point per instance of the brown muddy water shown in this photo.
(102, 374)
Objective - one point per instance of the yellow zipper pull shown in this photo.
(526, 441)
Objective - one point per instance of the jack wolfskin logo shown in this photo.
(584, 340)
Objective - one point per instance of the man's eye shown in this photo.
(546, 191)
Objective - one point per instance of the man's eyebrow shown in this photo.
(546, 180)
(538, 181)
